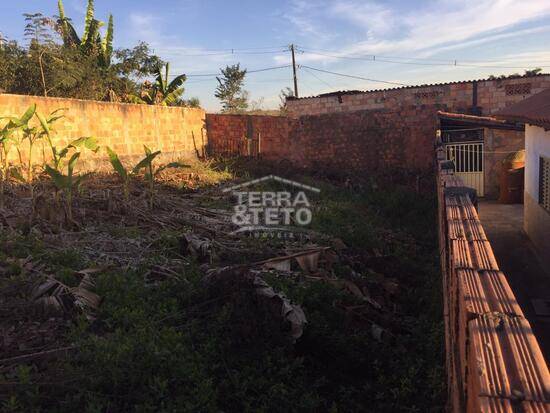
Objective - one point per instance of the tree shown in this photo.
(37, 28)
(162, 92)
(230, 89)
(532, 72)
(193, 102)
(136, 63)
(91, 42)
(66, 65)
(283, 96)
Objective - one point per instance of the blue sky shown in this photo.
(504, 36)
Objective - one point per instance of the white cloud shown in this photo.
(438, 25)
(304, 16)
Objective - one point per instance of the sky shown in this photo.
(393, 41)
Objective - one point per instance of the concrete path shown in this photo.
(528, 278)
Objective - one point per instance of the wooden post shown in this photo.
(294, 71)
(259, 144)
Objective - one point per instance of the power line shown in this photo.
(378, 59)
(317, 77)
(353, 76)
(228, 53)
(248, 71)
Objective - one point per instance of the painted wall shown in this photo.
(177, 132)
(536, 219)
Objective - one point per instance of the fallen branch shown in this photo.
(39, 355)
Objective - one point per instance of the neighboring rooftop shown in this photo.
(449, 120)
(357, 92)
(534, 110)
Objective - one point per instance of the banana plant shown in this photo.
(6, 143)
(8, 140)
(68, 182)
(91, 41)
(151, 172)
(163, 92)
(125, 174)
(88, 142)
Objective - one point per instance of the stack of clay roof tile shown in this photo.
(494, 361)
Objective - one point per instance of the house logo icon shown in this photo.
(271, 178)
(269, 212)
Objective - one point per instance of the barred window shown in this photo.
(544, 183)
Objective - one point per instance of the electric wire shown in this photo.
(383, 59)
(353, 76)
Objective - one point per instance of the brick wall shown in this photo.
(123, 127)
(361, 140)
(498, 144)
(366, 140)
(494, 361)
(492, 95)
(227, 134)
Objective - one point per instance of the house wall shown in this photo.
(498, 144)
(536, 219)
(124, 127)
(492, 95)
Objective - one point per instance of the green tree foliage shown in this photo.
(163, 92)
(193, 102)
(528, 72)
(91, 41)
(56, 61)
(230, 89)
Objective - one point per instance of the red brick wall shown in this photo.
(492, 95)
(360, 141)
(227, 134)
(366, 140)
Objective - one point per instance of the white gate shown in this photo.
(468, 160)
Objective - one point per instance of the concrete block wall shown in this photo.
(492, 95)
(356, 141)
(177, 132)
(227, 134)
(366, 140)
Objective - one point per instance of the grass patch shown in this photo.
(175, 346)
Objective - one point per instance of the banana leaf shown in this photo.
(117, 164)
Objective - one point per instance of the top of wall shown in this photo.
(359, 92)
(96, 102)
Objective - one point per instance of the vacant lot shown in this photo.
(128, 308)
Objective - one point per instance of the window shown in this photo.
(518, 89)
(544, 183)
(428, 94)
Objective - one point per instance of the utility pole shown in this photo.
(294, 71)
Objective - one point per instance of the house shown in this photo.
(478, 145)
(534, 112)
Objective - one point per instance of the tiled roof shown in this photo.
(357, 92)
(483, 121)
(534, 110)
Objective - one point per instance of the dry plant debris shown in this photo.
(185, 228)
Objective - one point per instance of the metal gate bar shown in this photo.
(468, 160)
